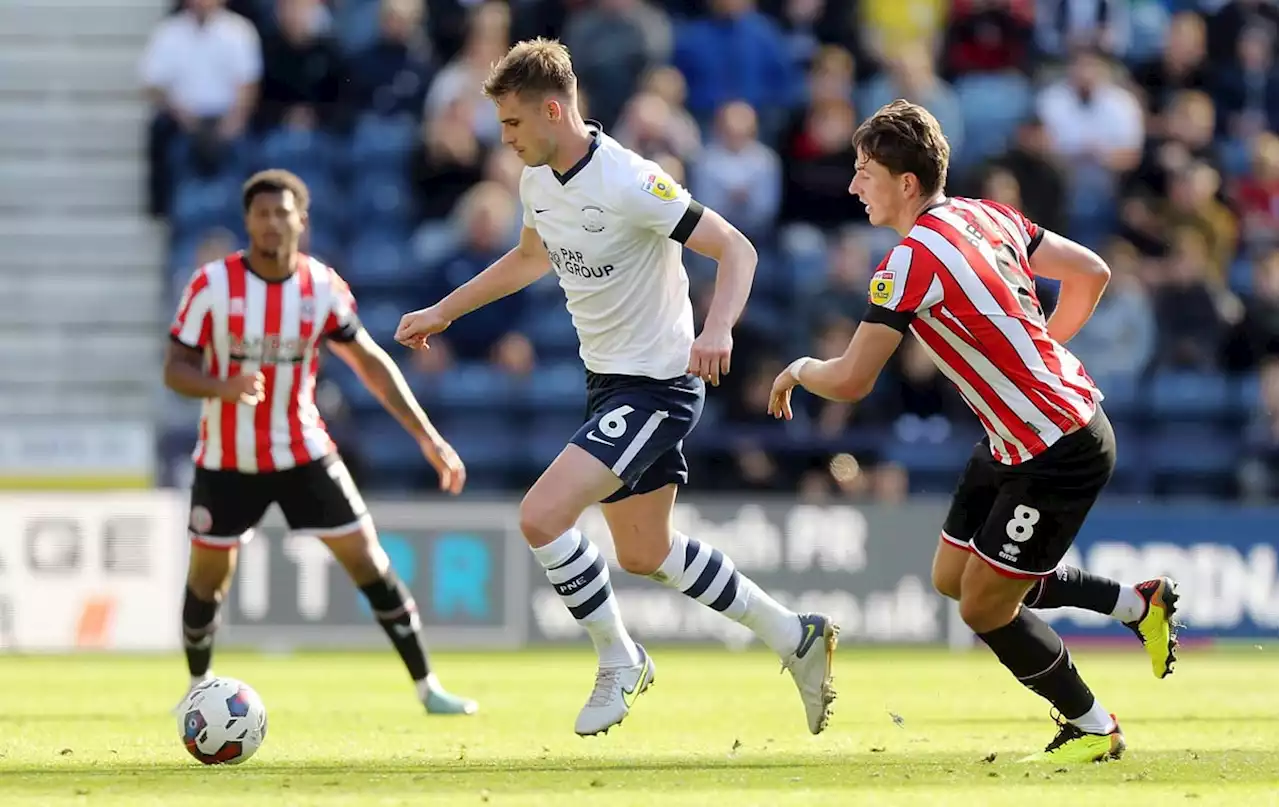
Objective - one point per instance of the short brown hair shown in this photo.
(276, 180)
(907, 139)
(535, 66)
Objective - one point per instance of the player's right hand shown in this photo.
(249, 390)
(416, 326)
(453, 474)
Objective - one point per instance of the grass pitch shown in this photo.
(720, 728)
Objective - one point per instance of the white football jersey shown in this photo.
(614, 226)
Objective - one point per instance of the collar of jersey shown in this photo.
(586, 158)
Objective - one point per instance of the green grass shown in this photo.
(719, 729)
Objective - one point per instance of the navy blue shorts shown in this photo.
(636, 426)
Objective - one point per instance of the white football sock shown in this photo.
(1129, 605)
(703, 573)
(581, 577)
(1095, 721)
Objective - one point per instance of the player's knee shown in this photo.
(984, 613)
(541, 522)
(643, 557)
(361, 556)
(946, 582)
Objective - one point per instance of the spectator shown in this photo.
(988, 36)
(819, 160)
(1246, 86)
(1181, 66)
(613, 44)
(842, 294)
(1193, 203)
(737, 54)
(1258, 477)
(1256, 197)
(650, 125)
(303, 74)
(1186, 126)
(448, 160)
(1119, 340)
(888, 25)
(748, 427)
(1041, 181)
(391, 76)
(488, 37)
(1253, 339)
(490, 333)
(1231, 19)
(921, 403)
(201, 69)
(738, 176)
(1189, 323)
(1064, 26)
(911, 76)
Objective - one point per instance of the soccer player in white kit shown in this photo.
(611, 224)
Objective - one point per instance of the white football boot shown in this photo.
(615, 692)
(810, 668)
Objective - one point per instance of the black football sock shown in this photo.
(1036, 656)
(397, 613)
(1074, 587)
(199, 624)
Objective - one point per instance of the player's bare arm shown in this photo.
(520, 267)
(736, 258)
(1084, 278)
(184, 373)
(380, 375)
(849, 377)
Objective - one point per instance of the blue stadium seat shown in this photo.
(384, 199)
(304, 152)
(381, 318)
(1194, 461)
(1246, 395)
(352, 388)
(388, 447)
(486, 442)
(478, 387)
(382, 144)
(356, 25)
(948, 457)
(1190, 396)
(1123, 397)
(552, 333)
(556, 387)
(993, 105)
(203, 204)
(378, 260)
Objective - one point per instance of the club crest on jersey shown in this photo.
(592, 219)
(882, 286)
(661, 186)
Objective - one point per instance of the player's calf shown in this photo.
(208, 580)
(396, 611)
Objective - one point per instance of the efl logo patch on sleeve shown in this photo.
(661, 186)
(882, 287)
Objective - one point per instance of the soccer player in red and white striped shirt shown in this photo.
(961, 280)
(246, 340)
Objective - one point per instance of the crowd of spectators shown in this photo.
(1144, 128)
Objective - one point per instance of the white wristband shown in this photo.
(796, 366)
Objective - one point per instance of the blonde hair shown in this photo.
(536, 67)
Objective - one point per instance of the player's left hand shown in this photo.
(709, 357)
(780, 395)
(453, 474)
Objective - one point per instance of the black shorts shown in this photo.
(319, 498)
(1022, 519)
(636, 426)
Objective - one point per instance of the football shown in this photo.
(222, 722)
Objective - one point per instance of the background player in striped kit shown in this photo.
(246, 340)
(961, 281)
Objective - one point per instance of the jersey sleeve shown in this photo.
(193, 322)
(655, 201)
(904, 284)
(343, 323)
(1031, 232)
(526, 205)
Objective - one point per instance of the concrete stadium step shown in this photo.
(71, 186)
(85, 400)
(31, 127)
(42, 70)
(81, 354)
(59, 20)
(67, 245)
(110, 300)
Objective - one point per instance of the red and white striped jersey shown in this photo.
(244, 324)
(962, 278)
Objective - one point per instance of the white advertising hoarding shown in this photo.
(92, 571)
